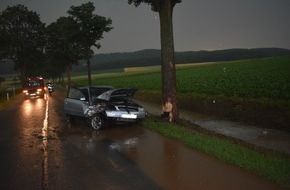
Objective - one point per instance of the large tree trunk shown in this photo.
(169, 100)
(89, 71)
(68, 75)
(22, 72)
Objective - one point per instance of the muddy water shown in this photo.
(172, 165)
(270, 139)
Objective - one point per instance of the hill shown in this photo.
(151, 57)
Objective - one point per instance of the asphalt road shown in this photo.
(37, 153)
(41, 150)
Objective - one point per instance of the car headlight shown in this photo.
(110, 114)
(39, 90)
(25, 91)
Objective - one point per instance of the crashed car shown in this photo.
(103, 105)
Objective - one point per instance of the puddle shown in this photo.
(170, 164)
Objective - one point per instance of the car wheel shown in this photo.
(97, 122)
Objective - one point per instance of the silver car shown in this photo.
(103, 105)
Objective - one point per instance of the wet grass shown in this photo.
(272, 166)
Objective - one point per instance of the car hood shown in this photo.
(118, 93)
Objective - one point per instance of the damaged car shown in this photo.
(103, 105)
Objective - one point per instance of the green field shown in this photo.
(260, 78)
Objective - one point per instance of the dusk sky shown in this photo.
(198, 24)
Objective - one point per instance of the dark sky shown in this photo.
(198, 24)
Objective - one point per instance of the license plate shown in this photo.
(129, 116)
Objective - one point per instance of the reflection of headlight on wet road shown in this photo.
(126, 144)
(28, 109)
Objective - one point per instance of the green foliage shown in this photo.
(22, 37)
(90, 30)
(62, 50)
(259, 78)
(2, 79)
(91, 26)
(155, 4)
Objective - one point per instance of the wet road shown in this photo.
(41, 150)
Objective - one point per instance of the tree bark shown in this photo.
(68, 75)
(23, 74)
(169, 99)
(89, 72)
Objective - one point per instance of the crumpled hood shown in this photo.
(118, 92)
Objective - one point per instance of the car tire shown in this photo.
(97, 122)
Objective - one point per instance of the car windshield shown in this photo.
(31, 83)
(96, 91)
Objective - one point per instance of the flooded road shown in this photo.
(41, 150)
(172, 165)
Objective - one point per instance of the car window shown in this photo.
(98, 91)
(85, 92)
(31, 83)
(76, 94)
(95, 92)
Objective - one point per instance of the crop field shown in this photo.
(260, 78)
(264, 78)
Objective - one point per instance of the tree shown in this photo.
(91, 29)
(2, 79)
(165, 10)
(22, 38)
(62, 49)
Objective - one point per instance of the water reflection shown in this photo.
(30, 117)
(44, 145)
(124, 144)
(171, 163)
(30, 107)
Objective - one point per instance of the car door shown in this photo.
(76, 102)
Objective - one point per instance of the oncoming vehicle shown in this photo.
(33, 87)
(103, 105)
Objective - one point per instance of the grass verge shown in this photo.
(272, 166)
